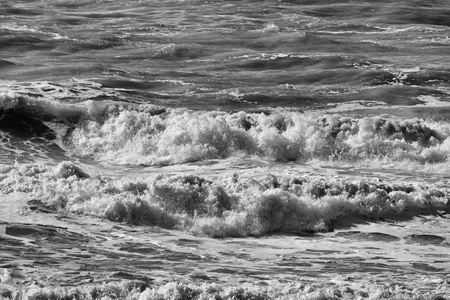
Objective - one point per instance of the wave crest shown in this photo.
(161, 137)
(232, 204)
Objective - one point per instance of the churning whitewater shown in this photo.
(224, 149)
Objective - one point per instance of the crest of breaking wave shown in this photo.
(149, 135)
(240, 203)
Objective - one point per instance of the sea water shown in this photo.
(217, 149)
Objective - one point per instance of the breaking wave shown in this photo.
(233, 204)
(87, 120)
(174, 290)
(150, 135)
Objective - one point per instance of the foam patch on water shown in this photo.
(23, 28)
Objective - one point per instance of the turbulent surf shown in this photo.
(221, 149)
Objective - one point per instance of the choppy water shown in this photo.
(227, 118)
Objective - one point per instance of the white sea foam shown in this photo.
(149, 135)
(232, 204)
(271, 28)
(24, 28)
(258, 290)
(8, 99)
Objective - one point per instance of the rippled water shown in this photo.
(229, 54)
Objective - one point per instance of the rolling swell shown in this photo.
(24, 42)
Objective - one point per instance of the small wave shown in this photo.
(19, 10)
(286, 61)
(175, 52)
(5, 64)
(407, 76)
(23, 28)
(241, 203)
(425, 15)
(99, 42)
(346, 28)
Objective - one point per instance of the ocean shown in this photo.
(223, 149)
